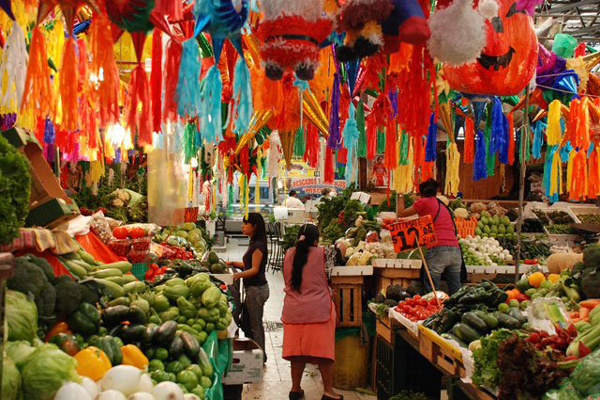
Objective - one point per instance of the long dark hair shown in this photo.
(428, 188)
(307, 236)
(260, 232)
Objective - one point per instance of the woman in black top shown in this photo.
(253, 273)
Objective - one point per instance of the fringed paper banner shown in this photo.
(172, 62)
(579, 176)
(188, 84)
(511, 138)
(593, 173)
(334, 141)
(479, 168)
(552, 173)
(351, 135)
(390, 152)
(431, 144)
(360, 125)
(38, 96)
(329, 174)
(13, 67)
(403, 174)
(371, 140)
(553, 131)
(490, 157)
(313, 147)
(538, 129)
(452, 169)
(156, 82)
(68, 87)
(211, 123)
(242, 97)
(469, 140)
(299, 143)
(403, 149)
(381, 141)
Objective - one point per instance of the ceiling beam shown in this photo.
(567, 7)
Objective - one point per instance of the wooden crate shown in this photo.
(393, 276)
(439, 352)
(347, 296)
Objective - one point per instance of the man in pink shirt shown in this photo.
(446, 254)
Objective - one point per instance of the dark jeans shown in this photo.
(440, 258)
(256, 297)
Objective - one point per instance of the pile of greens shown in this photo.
(15, 190)
(290, 237)
(409, 395)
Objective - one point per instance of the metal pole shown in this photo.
(522, 170)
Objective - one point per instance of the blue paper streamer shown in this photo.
(351, 134)
(538, 129)
(565, 151)
(188, 84)
(242, 97)
(335, 141)
(479, 166)
(49, 134)
(431, 145)
(547, 172)
(211, 124)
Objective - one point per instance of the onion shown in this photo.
(90, 386)
(141, 396)
(124, 378)
(190, 396)
(111, 395)
(145, 384)
(167, 391)
(72, 391)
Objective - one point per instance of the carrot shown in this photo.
(574, 314)
(575, 320)
(590, 303)
(584, 312)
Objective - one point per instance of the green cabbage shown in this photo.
(11, 380)
(19, 351)
(586, 376)
(45, 371)
(21, 317)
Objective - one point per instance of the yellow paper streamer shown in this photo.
(578, 65)
(258, 121)
(553, 131)
(556, 175)
(247, 193)
(191, 185)
(315, 114)
(572, 154)
(257, 184)
(403, 174)
(452, 169)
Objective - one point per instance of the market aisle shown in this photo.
(276, 380)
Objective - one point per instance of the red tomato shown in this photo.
(120, 232)
(137, 232)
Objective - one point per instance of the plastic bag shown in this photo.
(45, 371)
(21, 317)
(586, 376)
(564, 45)
(11, 380)
(566, 392)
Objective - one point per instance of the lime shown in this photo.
(188, 379)
(546, 284)
(513, 303)
(156, 365)
(525, 304)
(503, 307)
(161, 354)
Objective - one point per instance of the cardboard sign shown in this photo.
(406, 233)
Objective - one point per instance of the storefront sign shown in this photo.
(405, 233)
(311, 186)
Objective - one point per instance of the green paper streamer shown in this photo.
(360, 124)
(403, 152)
(229, 199)
(380, 142)
(299, 143)
(190, 143)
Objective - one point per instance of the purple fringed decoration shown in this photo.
(479, 167)
(7, 121)
(335, 140)
(431, 145)
(118, 156)
(49, 152)
(393, 96)
(528, 5)
(49, 134)
(549, 65)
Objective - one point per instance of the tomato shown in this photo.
(137, 232)
(120, 232)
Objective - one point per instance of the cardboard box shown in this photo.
(246, 364)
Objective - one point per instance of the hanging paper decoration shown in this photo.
(361, 149)
(351, 135)
(130, 15)
(13, 66)
(37, 93)
(172, 62)
(139, 94)
(593, 173)
(188, 85)
(329, 173)
(314, 112)
(469, 140)
(334, 141)
(499, 132)
(511, 138)
(291, 32)
(452, 169)
(257, 124)
(156, 80)
(431, 144)
(538, 129)
(313, 147)
(242, 97)
(479, 166)
(68, 87)
(508, 61)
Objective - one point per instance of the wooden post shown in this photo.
(522, 172)
(437, 300)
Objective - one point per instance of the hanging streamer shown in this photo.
(371, 140)
(452, 169)
(552, 173)
(329, 170)
(312, 148)
(172, 61)
(469, 140)
(188, 85)
(593, 173)
(403, 157)
(13, 66)
(242, 97)
(479, 168)
(156, 79)
(490, 156)
(360, 125)
(431, 144)
(511, 139)
(335, 139)
(351, 135)
(538, 129)
(211, 125)
(37, 92)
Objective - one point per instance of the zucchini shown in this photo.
(465, 332)
(121, 280)
(112, 289)
(506, 321)
(75, 269)
(122, 266)
(120, 301)
(450, 336)
(83, 265)
(471, 319)
(134, 287)
(175, 282)
(489, 319)
(105, 273)
(87, 257)
(516, 314)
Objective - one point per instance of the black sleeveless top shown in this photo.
(260, 278)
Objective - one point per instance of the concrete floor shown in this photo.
(277, 379)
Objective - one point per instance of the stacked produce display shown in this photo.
(102, 333)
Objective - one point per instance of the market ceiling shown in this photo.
(580, 18)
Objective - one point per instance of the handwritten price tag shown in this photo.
(405, 233)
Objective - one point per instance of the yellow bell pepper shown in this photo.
(92, 362)
(132, 355)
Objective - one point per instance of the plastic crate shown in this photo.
(384, 366)
(139, 270)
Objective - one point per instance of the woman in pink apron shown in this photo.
(308, 312)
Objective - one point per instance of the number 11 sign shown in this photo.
(410, 234)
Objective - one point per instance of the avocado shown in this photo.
(213, 258)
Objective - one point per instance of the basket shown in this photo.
(139, 270)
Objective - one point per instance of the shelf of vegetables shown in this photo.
(104, 334)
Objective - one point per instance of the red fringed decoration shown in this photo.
(156, 78)
(342, 155)
(391, 153)
(469, 141)
(169, 8)
(40, 127)
(172, 61)
(245, 161)
(511, 138)
(68, 87)
(101, 48)
(371, 139)
(414, 93)
(427, 170)
(593, 175)
(578, 189)
(37, 92)
(329, 170)
(312, 150)
(88, 118)
(139, 93)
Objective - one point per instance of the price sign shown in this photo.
(406, 233)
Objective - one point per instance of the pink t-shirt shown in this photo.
(443, 225)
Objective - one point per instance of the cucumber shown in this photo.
(506, 321)
(134, 287)
(450, 336)
(516, 314)
(84, 265)
(121, 280)
(112, 289)
(471, 319)
(465, 333)
(122, 266)
(489, 319)
(75, 269)
(86, 257)
(71, 256)
(120, 301)
(106, 273)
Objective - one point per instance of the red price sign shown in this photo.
(406, 233)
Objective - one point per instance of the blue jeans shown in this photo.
(256, 297)
(440, 259)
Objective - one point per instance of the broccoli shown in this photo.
(45, 266)
(89, 293)
(68, 295)
(46, 302)
(28, 277)
(591, 256)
